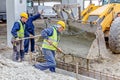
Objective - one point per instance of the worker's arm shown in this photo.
(46, 33)
(15, 28)
(32, 18)
(29, 27)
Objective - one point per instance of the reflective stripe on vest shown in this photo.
(53, 38)
(20, 33)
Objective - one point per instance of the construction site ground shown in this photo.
(69, 44)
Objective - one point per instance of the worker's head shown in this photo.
(61, 26)
(118, 14)
(24, 16)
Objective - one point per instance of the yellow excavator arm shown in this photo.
(85, 12)
(105, 14)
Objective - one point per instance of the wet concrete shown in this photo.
(75, 45)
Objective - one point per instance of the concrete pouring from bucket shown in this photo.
(75, 45)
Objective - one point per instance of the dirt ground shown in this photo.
(71, 45)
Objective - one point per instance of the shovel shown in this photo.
(28, 37)
(58, 49)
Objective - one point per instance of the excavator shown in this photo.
(99, 21)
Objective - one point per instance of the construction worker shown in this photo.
(29, 32)
(18, 32)
(51, 37)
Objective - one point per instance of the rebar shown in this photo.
(86, 71)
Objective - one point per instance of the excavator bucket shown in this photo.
(90, 32)
(95, 36)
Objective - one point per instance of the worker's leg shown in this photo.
(50, 61)
(52, 69)
(26, 45)
(32, 45)
(21, 50)
(15, 55)
(17, 50)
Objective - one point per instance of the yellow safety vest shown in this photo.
(53, 38)
(20, 33)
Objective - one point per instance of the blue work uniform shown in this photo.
(29, 29)
(18, 32)
(49, 54)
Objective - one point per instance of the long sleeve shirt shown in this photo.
(48, 32)
(15, 28)
(29, 29)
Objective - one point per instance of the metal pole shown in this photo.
(30, 57)
(38, 2)
(100, 76)
(79, 12)
(87, 64)
(77, 70)
(94, 73)
(83, 4)
(90, 1)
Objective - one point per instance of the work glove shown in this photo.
(17, 39)
(31, 35)
(41, 12)
(60, 50)
(50, 42)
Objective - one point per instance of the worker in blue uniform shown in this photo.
(29, 32)
(18, 33)
(51, 37)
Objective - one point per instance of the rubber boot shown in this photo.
(15, 55)
(21, 55)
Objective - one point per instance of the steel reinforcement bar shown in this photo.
(77, 68)
(83, 70)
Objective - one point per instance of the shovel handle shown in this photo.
(55, 46)
(28, 37)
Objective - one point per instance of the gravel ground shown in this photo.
(10, 70)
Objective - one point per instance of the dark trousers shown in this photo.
(26, 45)
(50, 63)
(18, 52)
